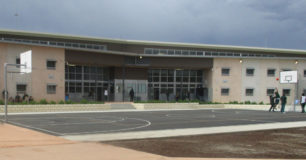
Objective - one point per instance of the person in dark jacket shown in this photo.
(283, 102)
(132, 95)
(272, 103)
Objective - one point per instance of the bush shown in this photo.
(1, 102)
(253, 103)
(32, 102)
(84, 101)
(61, 102)
(247, 102)
(52, 102)
(43, 101)
(68, 102)
(233, 102)
(261, 103)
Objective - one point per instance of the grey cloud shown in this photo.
(262, 23)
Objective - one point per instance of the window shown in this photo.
(249, 92)
(51, 64)
(225, 91)
(286, 69)
(304, 91)
(271, 72)
(250, 71)
(305, 73)
(18, 62)
(270, 91)
(51, 89)
(286, 92)
(225, 71)
(21, 88)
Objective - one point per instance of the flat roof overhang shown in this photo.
(154, 43)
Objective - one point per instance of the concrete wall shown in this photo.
(9, 55)
(232, 81)
(238, 80)
(41, 76)
(3, 48)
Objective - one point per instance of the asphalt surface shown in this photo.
(63, 124)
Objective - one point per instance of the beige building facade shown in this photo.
(66, 67)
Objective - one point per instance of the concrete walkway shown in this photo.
(23, 144)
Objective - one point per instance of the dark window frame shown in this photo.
(51, 91)
(250, 74)
(251, 93)
(224, 71)
(269, 74)
(287, 91)
(49, 62)
(225, 91)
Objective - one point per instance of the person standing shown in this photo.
(303, 100)
(277, 98)
(283, 102)
(272, 103)
(132, 95)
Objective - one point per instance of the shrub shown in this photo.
(233, 102)
(68, 102)
(253, 103)
(52, 102)
(43, 101)
(61, 102)
(1, 102)
(247, 102)
(84, 101)
(261, 103)
(32, 102)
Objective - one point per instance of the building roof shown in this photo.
(152, 43)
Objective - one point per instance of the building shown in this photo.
(107, 69)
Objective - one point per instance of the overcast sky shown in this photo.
(258, 23)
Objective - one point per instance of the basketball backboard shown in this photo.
(26, 59)
(288, 77)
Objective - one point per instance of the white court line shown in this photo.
(115, 130)
(110, 111)
(184, 132)
(40, 129)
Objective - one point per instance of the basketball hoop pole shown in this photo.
(5, 87)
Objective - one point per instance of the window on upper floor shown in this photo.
(305, 73)
(250, 71)
(271, 72)
(249, 92)
(51, 64)
(224, 91)
(225, 71)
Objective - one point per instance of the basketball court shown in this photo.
(116, 123)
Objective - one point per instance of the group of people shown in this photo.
(276, 98)
(18, 98)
